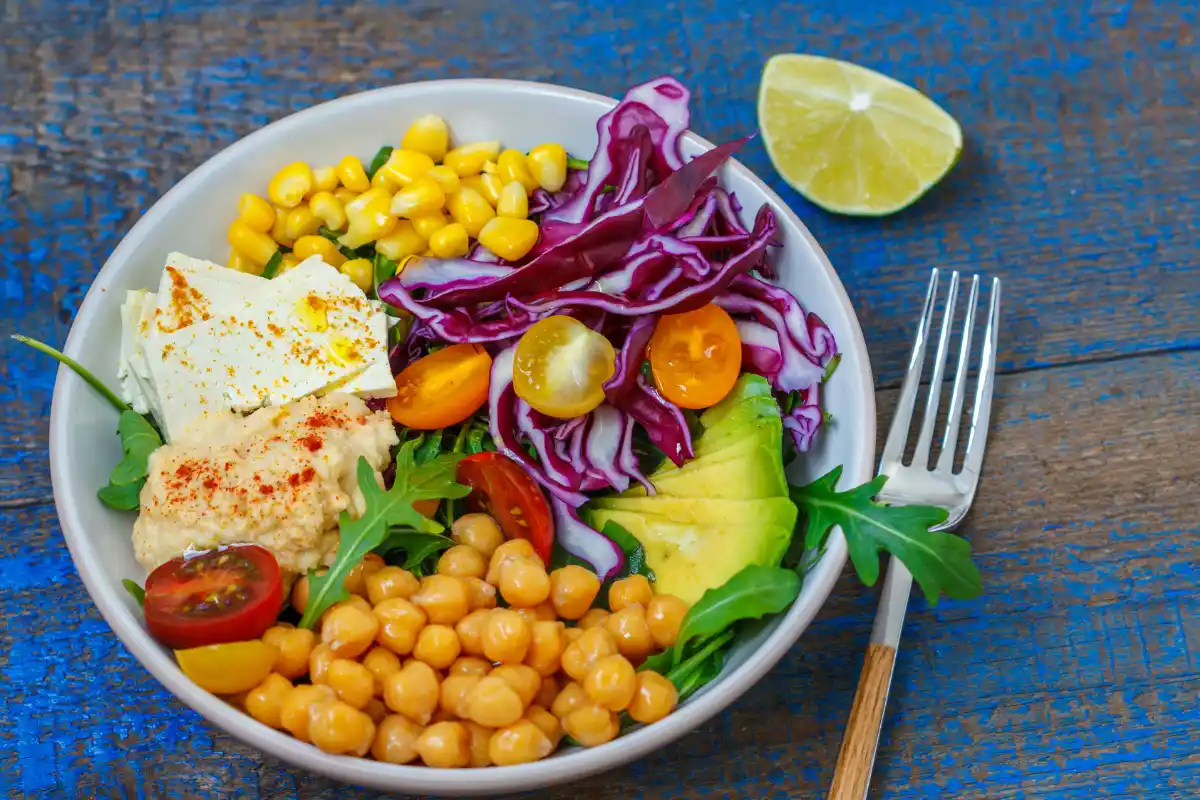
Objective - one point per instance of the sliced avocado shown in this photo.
(741, 471)
(705, 511)
(689, 559)
(748, 410)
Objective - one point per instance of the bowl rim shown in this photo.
(564, 768)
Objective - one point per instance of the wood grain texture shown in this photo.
(1075, 676)
(856, 759)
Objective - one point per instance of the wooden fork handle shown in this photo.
(857, 757)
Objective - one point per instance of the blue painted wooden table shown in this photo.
(1075, 676)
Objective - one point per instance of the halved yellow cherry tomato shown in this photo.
(228, 668)
(561, 366)
(696, 356)
(443, 388)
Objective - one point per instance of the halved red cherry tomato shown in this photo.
(696, 356)
(501, 488)
(230, 594)
(442, 389)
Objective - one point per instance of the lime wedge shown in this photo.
(851, 140)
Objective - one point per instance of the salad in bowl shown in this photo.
(474, 450)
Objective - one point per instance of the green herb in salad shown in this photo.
(271, 268)
(416, 548)
(576, 163)
(135, 591)
(381, 157)
(385, 511)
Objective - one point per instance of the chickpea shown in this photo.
(454, 693)
(546, 694)
(468, 665)
(399, 623)
(294, 646)
(376, 710)
(358, 602)
(396, 739)
(391, 582)
(480, 594)
(318, 663)
(524, 584)
(445, 745)
(413, 691)
(634, 589)
(546, 647)
(592, 725)
(573, 589)
(653, 698)
(355, 581)
(263, 701)
(664, 615)
(462, 561)
(294, 706)
(580, 656)
(519, 743)
(522, 678)
(506, 636)
(381, 662)
(443, 598)
(480, 736)
(629, 629)
(300, 591)
(572, 635)
(494, 703)
(595, 618)
(348, 630)
(548, 723)
(570, 697)
(353, 683)
(611, 682)
(470, 632)
(543, 612)
(437, 646)
(338, 727)
(515, 549)
(479, 531)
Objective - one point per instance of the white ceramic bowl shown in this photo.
(192, 218)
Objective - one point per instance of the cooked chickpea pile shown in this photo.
(426, 199)
(435, 670)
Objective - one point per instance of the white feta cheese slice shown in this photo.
(192, 290)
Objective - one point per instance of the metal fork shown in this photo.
(912, 485)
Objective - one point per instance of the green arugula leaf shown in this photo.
(386, 269)
(121, 498)
(138, 440)
(702, 667)
(417, 547)
(635, 554)
(831, 367)
(135, 590)
(108, 394)
(559, 557)
(384, 511)
(381, 157)
(938, 561)
(271, 268)
(576, 163)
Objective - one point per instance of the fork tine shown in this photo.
(981, 415)
(893, 449)
(925, 439)
(945, 462)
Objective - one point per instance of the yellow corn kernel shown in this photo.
(490, 168)
(256, 212)
(468, 208)
(422, 196)
(402, 242)
(450, 241)
(361, 271)
(514, 168)
(301, 221)
(405, 166)
(239, 262)
(380, 178)
(329, 209)
(255, 246)
(288, 261)
(548, 165)
(325, 179)
(369, 217)
(426, 224)
(345, 195)
(508, 238)
(290, 184)
(490, 186)
(468, 159)
(445, 177)
(514, 203)
(279, 229)
(429, 135)
(352, 175)
(309, 246)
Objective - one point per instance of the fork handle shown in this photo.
(857, 757)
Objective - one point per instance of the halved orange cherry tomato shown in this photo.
(501, 488)
(696, 356)
(561, 366)
(442, 389)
